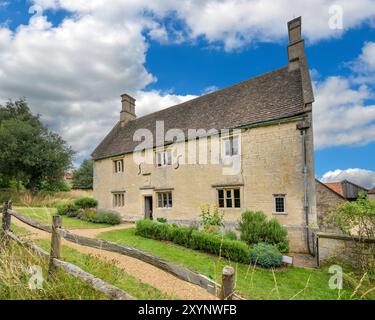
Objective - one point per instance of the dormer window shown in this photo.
(119, 166)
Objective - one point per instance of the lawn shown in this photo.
(14, 228)
(45, 215)
(251, 283)
(15, 264)
(109, 272)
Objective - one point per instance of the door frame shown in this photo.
(150, 200)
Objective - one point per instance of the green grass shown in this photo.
(251, 283)
(15, 262)
(109, 272)
(14, 228)
(45, 215)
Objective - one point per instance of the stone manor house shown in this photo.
(268, 129)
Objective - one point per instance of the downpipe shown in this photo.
(303, 127)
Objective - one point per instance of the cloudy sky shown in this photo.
(72, 59)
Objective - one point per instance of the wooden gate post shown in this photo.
(6, 221)
(55, 243)
(227, 284)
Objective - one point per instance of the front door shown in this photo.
(148, 207)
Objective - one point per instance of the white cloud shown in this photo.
(153, 101)
(362, 177)
(340, 114)
(232, 22)
(74, 73)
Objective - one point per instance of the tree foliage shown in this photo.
(84, 175)
(357, 219)
(29, 151)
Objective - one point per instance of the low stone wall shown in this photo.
(338, 246)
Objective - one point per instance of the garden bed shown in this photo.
(251, 282)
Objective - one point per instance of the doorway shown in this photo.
(148, 207)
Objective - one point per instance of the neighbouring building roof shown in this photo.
(372, 191)
(272, 96)
(347, 189)
(332, 187)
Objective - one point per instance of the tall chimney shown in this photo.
(128, 109)
(296, 47)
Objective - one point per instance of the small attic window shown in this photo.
(118, 166)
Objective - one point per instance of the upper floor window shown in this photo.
(119, 165)
(231, 146)
(165, 200)
(164, 158)
(229, 198)
(279, 205)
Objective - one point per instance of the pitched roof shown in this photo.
(347, 189)
(335, 186)
(329, 188)
(275, 95)
(372, 191)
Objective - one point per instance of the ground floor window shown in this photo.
(229, 198)
(118, 199)
(165, 200)
(279, 206)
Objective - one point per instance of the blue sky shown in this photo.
(164, 54)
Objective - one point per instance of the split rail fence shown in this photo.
(223, 292)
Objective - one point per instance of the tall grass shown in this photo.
(41, 198)
(15, 263)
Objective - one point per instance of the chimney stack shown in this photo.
(128, 109)
(296, 47)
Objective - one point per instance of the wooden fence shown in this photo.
(224, 291)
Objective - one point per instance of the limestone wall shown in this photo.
(337, 246)
(272, 163)
(326, 201)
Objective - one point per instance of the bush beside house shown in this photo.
(261, 241)
(189, 237)
(255, 228)
(85, 209)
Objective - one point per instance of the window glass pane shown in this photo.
(165, 200)
(221, 198)
(159, 157)
(280, 204)
(229, 203)
(227, 147)
(237, 200)
(160, 200)
(169, 154)
(234, 146)
(170, 200)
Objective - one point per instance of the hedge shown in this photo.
(233, 250)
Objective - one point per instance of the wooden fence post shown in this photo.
(55, 243)
(6, 221)
(227, 285)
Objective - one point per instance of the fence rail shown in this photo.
(55, 263)
(224, 292)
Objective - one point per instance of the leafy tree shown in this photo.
(29, 151)
(357, 220)
(83, 177)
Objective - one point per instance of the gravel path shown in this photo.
(140, 270)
